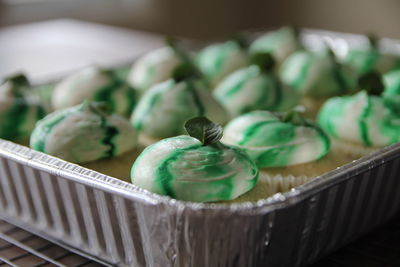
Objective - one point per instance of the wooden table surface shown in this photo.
(52, 49)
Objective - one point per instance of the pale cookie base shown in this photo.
(145, 140)
(282, 179)
(330, 162)
(271, 181)
(24, 142)
(118, 167)
(269, 185)
(352, 149)
(312, 106)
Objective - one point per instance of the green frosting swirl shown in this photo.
(83, 133)
(181, 167)
(19, 109)
(317, 74)
(251, 89)
(272, 141)
(163, 109)
(361, 119)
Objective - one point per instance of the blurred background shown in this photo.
(36, 38)
(210, 19)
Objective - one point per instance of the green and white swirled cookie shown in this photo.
(19, 109)
(370, 58)
(163, 109)
(154, 67)
(218, 60)
(277, 140)
(288, 149)
(195, 168)
(281, 43)
(83, 133)
(391, 93)
(317, 74)
(95, 84)
(363, 122)
(256, 87)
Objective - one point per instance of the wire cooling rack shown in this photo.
(21, 248)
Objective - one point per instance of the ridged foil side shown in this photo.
(119, 224)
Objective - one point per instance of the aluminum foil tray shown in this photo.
(119, 224)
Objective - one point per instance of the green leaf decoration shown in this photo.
(19, 85)
(241, 41)
(206, 131)
(371, 82)
(108, 72)
(294, 117)
(183, 71)
(295, 30)
(182, 54)
(331, 53)
(264, 60)
(373, 40)
(100, 108)
(18, 79)
(188, 68)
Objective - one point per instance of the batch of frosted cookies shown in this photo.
(236, 121)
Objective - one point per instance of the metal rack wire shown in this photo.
(21, 248)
